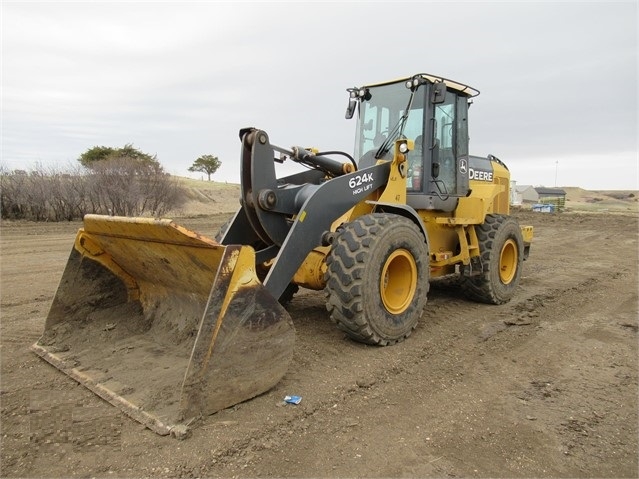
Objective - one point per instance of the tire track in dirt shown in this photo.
(411, 357)
(398, 365)
(446, 401)
(467, 355)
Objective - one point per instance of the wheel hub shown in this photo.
(398, 281)
(508, 261)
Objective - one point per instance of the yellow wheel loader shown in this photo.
(170, 325)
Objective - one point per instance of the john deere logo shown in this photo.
(480, 175)
(463, 166)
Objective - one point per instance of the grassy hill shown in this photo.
(210, 198)
(578, 199)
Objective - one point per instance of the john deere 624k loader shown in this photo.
(170, 325)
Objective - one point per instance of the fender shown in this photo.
(402, 210)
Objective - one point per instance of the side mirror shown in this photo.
(350, 110)
(438, 92)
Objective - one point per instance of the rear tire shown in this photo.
(377, 278)
(501, 247)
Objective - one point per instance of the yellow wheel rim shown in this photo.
(508, 260)
(398, 282)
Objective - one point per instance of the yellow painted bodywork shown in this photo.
(451, 235)
(108, 240)
(527, 233)
(311, 273)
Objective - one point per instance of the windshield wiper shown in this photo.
(396, 132)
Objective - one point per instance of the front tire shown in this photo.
(377, 278)
(501, 247)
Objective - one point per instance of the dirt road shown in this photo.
(545, 386)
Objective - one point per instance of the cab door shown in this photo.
(449, 171)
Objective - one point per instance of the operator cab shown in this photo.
(433, 112)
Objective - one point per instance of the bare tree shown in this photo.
(12, 199)
(125, 188)
(118, 186)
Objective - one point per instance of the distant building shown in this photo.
(552, 196)
(523, 194)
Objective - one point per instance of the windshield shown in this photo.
(381, 118)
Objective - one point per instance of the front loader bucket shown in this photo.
(164, 323)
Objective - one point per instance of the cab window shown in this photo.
(444, 145)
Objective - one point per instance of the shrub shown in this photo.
(115, 187)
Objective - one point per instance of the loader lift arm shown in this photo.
(286, 218)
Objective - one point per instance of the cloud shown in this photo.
(558, 80)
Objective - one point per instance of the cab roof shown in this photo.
(460, 87)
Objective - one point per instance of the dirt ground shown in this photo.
(545, 386)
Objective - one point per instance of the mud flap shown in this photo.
(164, 323)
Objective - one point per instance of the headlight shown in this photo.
(403, 148)
(414, 82)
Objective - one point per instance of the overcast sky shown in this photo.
(558, 81)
